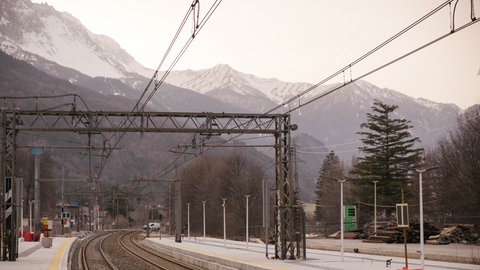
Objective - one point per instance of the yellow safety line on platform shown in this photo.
(233, 258)
(57, 258)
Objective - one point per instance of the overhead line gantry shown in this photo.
(14, 122)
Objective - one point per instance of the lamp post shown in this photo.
(375, 208)
(30, 217)
(246, 221)
(265, 214)
(224, 223)
(342, 214)
(204, 229)
(420, 191)
(188, 221)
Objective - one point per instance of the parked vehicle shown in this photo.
(154, 226)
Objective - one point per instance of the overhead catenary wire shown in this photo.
(361, 58)
(364, 56)
(197, 28)
(152, 79)
(167, 52)
(383, 66)
(141, 104)
(73, 104)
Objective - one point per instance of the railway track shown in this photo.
(130, 242)
(87, 254)
(121, 250)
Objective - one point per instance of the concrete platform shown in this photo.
(459, 253)
(217, 254)
(32, 256)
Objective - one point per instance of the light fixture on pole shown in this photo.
(375, 208)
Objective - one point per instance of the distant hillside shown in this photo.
(136, 154)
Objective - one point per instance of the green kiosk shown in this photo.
(350, 217)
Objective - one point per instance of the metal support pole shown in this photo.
(188, 221)
(265, 213)
(290, 195)
(204, 228)
(420, 191)
(341, 220)
(36, 195)
(148, 220)
(30, 217)
(246, 220)
(116, 216)
(405, 238)
(3, 166)
(375, 207)
(178, 212)
(304, 235)
(224, 223)
(19, 215)
(285, 197)
(62, 204)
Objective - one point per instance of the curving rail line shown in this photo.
(123, 250)
(161, 261)
(106, 257)
(88, 245)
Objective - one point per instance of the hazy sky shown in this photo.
(302, 40)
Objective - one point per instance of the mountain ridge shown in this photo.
(60, 37)
(239, 82)
(99, 63)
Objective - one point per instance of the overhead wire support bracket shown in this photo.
(196, 16)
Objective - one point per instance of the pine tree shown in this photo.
(389, 151)
(327, 189)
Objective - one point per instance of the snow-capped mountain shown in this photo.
(333, 119)
(32, 32)
(28, 30)
(222, 76)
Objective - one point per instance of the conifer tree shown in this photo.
(327, 189)
(389, 150)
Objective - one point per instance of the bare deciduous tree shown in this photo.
(456, 183)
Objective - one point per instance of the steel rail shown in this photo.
(83, 252)
(131, 236)
(106, 257)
